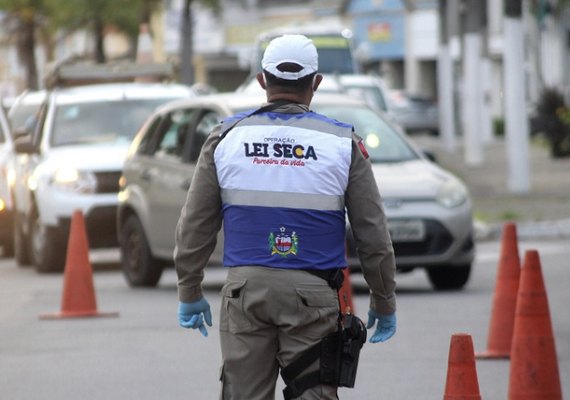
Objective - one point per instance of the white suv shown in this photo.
(72, 160)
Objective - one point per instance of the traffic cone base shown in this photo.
(505, 298)
(461, 382)
(534, 366)
(78, 297)
(78, 314)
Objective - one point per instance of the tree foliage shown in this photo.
(29, 20)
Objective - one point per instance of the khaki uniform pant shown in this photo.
(268, 318)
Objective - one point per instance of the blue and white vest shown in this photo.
(283, 179)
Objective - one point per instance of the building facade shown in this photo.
(398, 39)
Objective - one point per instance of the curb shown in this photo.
(530, 230)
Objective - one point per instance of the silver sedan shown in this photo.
(428, 209)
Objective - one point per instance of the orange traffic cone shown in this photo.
(505, 298)
(461, 382)
(78, 299)
(345, 293)
(534, 365)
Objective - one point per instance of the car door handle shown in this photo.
(186, 184)
(145, 175)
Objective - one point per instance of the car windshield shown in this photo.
(23, 115)
(383, 143)
(335, 60)
(99, 122)
(371, 94)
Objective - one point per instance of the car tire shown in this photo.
(47, 249)
(449, 277)
(140, 268)
(8, 247)
(21, 244)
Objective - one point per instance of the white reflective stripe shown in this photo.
(285, 159)
(286, 200)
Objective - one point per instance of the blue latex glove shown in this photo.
(193, 315)
(385, 328)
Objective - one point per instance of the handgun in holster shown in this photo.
(338, 354)
(353, 337)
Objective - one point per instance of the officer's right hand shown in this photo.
(193, 315)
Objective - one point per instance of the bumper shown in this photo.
(417, 121)
(100, 224)
(440, 246)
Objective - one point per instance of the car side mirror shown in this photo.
(430, 155)
(21, 132)
(23, 143)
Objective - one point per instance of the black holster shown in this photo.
(338, 354)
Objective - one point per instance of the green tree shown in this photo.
(28, 20)
(97, 15)
(22, 19)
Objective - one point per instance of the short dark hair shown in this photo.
(303, 83)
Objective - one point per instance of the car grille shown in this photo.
(108, 182)
(437, 241)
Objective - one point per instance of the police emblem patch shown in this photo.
(282, 243)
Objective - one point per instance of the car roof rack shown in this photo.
(70, 73)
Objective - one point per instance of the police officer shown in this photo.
(284, 229)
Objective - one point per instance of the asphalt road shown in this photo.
(143, 354)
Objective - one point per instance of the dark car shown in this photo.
(415, 113)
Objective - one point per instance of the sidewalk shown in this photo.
(543, 212)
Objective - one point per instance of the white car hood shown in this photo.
(409, 180)
(99, 157)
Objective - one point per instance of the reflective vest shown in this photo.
(283, 179)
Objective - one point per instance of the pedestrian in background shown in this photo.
(281, 179)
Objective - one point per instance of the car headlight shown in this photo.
(72, 180)
(11, 177)
(451, 194)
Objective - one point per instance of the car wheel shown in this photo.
(139, 266)
(48, 251)
(8, 246)
(21, 247)
(449, 277)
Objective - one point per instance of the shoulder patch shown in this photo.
(363, 149)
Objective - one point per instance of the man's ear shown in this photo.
(317, 81)
(261, 80)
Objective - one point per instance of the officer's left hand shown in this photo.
(385, 328)
(193, 315)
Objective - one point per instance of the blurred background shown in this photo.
(213, 41)
(470, 70)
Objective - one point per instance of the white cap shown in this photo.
(297, 49)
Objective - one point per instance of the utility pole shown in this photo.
(516, 123)
(186, 45)
(472, 97)
(445, 73)
(486, 77)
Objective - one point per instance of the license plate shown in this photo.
(407, 231)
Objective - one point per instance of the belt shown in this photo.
(334, 277)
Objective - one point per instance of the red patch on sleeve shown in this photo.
(363, 149)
